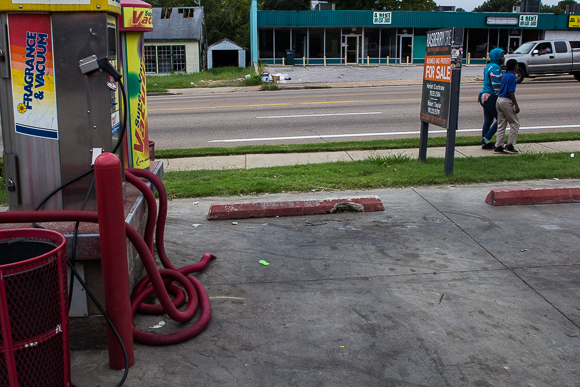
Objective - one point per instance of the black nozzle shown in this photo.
(106, 66)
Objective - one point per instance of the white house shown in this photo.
(178, 42)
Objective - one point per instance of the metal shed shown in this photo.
(226, 53)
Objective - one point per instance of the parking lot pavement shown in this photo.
(310, 74)
(440, 289)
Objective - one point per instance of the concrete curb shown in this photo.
(518, 196)
(292, 208)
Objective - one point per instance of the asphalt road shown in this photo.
(326, 115)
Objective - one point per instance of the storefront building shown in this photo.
(396, 37)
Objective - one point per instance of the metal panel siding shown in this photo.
(400, 19)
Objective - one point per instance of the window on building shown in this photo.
(187, 12)
(166, 13)
(299, 42)
(266, 43)
(421, 31)
(504, 40)
(529, 35)
(282, 42)
(333, 42)
(150, 62)
(372, 42)
(165, 59)
(316, 43)
(389, 43)
(478, 46)
(178, 58)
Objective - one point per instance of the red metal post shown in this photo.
(111, 214)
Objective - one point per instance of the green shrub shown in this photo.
(253, 80)
(269, 86)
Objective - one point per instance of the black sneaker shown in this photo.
(489, 145)
(510, 148)
(498, 149)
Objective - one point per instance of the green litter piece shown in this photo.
(264, 262)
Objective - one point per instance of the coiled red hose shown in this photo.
(156, 280)
(143, 289)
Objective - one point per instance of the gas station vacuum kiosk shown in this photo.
(59, 97)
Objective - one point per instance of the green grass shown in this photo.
(218, 77)
(374, 172)
(269, 86)
(352, 145)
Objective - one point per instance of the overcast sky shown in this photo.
(468, 5)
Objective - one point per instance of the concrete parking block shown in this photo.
(520, 196)
(292, 208)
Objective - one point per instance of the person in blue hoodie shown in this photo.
(492, 76)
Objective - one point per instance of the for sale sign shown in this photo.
(443, 53)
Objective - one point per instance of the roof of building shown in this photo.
(178, 23)
(226, 44)
(420, 19)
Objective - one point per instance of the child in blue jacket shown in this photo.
(507, 110)
(492, 76)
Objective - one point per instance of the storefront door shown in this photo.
(351, 49)
(515, 42)
(406, 48)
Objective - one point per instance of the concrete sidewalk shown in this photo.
(440, 289)
(268, 160)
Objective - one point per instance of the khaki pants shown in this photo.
(506, 113)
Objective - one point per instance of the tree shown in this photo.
(497, 6)
(227, 19)
(391, 5)
(352, 5)
(557, 9)
(223, 18)
(459, 10)
(417, 5)
(285, 5)
(173, 3)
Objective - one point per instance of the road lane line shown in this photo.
(283, 104)
(333, 102)
(377, 134)
(158, 99)
(323, 115)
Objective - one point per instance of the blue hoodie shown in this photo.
(492, 74)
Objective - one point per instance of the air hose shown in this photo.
(143, 289)
(155, 277)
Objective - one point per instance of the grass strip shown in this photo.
(401, 143)
(374, 172)
(216, 77)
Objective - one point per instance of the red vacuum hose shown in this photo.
(142, 290)
(155, 277)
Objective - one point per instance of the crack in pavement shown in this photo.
(498, 260)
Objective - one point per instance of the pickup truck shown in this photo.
(546, 58)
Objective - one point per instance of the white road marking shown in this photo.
(378, 134)
(322, 115)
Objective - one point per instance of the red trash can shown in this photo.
(34, 340)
